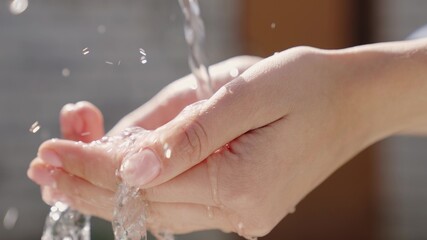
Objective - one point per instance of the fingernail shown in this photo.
(50, 157)
(42, 176)
(140, 168)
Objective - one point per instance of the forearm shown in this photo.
(393, 88)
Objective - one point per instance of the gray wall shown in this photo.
(37, 45)
(403, 163)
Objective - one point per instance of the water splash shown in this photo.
(129, 222)
(130, 215)
(63, 223)
(143, 58)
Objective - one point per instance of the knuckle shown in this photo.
(194, 137)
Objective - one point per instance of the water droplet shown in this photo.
(213, 177)
(167, 151)
(234, 72)
(109, 63)
(66, 72)
(273, 25)
(119, 62)
(17, 7)
(35, 127)
(240, 232)
(85, 51)
(10, 218)
(101, 29)
(210, 212)
(143, 58)
(85, 134)
(240, 228)
(142, 51)
(61, 206)
(193, 84)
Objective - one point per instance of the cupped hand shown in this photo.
(83, 122)
(246, 156)
(241, 160)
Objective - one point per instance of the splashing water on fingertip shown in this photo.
(130, 213)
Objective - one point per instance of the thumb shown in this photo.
(202, 128)
(82, 121)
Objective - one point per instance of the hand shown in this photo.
(84, 122)
(257, 147)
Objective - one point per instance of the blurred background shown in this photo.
(379, 195)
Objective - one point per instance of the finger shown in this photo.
(190, 187)
(193, 186)
(172, 99)
(70, 185)
(246, 103)
(81, 122)
(94, 164)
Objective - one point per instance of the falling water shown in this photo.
(127, 196)
(194, 30)
(64, 223)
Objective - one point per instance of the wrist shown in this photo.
(389, 88)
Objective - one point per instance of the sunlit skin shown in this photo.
(273, 134)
